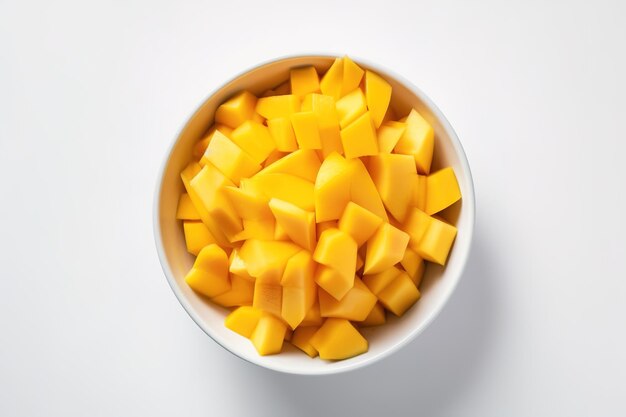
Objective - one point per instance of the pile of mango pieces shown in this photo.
(312, 209)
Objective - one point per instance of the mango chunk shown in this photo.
(298, 224)
(330, 85)
(385, 248)
(248, 203)
(186, 209)
(399, 295)
(266, 260)
(301, 339)
(416, 225)
(394, 175)
(377, 96)
(278, 106)
(338, 339)
(332, 188)
(286, 187)
(237, 266)
(376, 317)
(352, 75)
(418, 192)
(333, 282)
(282, 132)
(255, 139)
(313, 316)
(350, 107)
(229, 158)
(303, 163)
(304, 81)
(377, 282)
(418, 140)
(413, 264)
(268, 335)
(359, 223)
(306, 130)
(327, 122)
(363, 190)
(197, 236)
(268, 296)
(355, 305)
(256, 229)
(442, 190)
(209, 274)
(359, 137)
(243, 320)
(236, 110)
(337, 250)
(388, 136)
(240, 293)
(437, 241)
(299, 289)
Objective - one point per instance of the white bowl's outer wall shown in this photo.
(438, 283)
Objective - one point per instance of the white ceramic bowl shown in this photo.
(438, 282)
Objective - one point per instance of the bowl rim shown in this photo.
(468, 201)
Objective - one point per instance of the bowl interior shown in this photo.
(438, 282)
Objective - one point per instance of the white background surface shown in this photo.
(91, 96)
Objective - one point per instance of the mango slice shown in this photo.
(330, 85)
(299, 289)
(393, 175)
(352, 75)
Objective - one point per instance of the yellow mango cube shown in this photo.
(418, 192)
(306, 130)
(243, 320)
(240, 293)
(268, 296)
(256, 229)
(278, 106)
(437, 241)
(359, 223)
(303, 163)
(413, 264)
(418, 140)
(265, 259)
(268, 335)
(299, 288)
(327, 122)
(248, 203)
(254, 139)
(301, 339)
(332, 188)
(377, 96)
(304, 81)
(282, 132)
(288, 188)
(442, 190)
(209, 274)
(229, 158)
(377, 282)
(338, 339)
(313, 316)
(359, 137)
(337, 250)
(388, 136)
(376, 317)
(330, 85)
(186, 209)
(399, 295)
(352, 75)
(236, 110)
(394, 175)
(416, 225)
(197, 236)
(363, 190)
(356, 305)
(350, 107)
(385, 248)
(237, 266)
(297, 223)
(333, 282)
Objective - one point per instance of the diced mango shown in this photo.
(209, 274)
(363, 190)
(268, 335)
(306, 130)
(355, 305)
(197, 236)
(262, 229)
(240, 293)
(236, 110)
(437, 241)
(304, 81)
(266, 260)
(337, 250)
(418, 140)
(393, 175)
(332, 188)
(248, 203)
(338, 339)
(399, 295)
(418, 192)
(350, 107)
(377, 95)
(359, 137)
(413, 264)
(299, 289)
(278, 106)
(376, 317)
(416, 225)
(255, 139)
(237, 266)
(286, 187)
(352, 75)
(359, 223)
(301, 339)
(377, 282)
(186, 210)
(327, 122)
(385, 248)
(297, 223)
(313, 317)
(244, 320)
(388, 136)
(442, 190)
(229, 158)
(332, 281)
(282, 133)
(303, 163)
(268, 296)
(330, 85)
